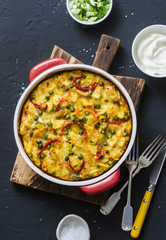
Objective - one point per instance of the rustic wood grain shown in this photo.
(24, 175)
(107, 49)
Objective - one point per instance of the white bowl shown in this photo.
(139, 37)
(71, 226)
(86, 22)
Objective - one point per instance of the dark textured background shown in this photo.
(28, 32)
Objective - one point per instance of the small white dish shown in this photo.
(161, 29)
(86, 22)
(73, 227)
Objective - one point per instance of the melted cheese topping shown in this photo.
(75, 125)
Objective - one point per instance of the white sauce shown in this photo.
(151, 53)
(73, 230)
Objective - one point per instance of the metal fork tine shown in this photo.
(133, 151)
(152, 157)
(152, 145)
(137, 151)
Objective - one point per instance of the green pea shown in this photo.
(127, 116)
(66, 158)
(103, 132)
(105, 144)
(97, 106)
(115, 117)
(112, 131)
(83, 76)
(33, 96)
(98, 166)
(107, 151)
(55, 109)
(35, 118)
(87, 113)
(78, 81)
(66, 89)
(40, 112)
(71, 153)
(45, 136)
(126, 134)
(70, 77)
(49, 124)
(38, 140)
(58, 117)
(48, 147)
(86, 85)
(116, 101)
(55, 132)
(68, 106)
(84, 120)
(30, 155)
(31, 133)
(106, 100)
(105, 114)
(80, 156)
(101, 83)
(66, 132)
(51, 92)
(81, 132)
(76, 119)
(43, 155)
(40, 145)
(72, 109)
(105, 120)
(71, 85)
(97, 126)
(47, 97)
(89, 94)
(68, 116)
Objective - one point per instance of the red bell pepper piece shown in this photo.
(37, 105)
(47, 143)
(118, 122)
(79, 170)
(84, 89)
(78, 124)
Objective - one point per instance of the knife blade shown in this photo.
(154, 176)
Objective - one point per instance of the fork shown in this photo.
(131, 163)
(145, 160)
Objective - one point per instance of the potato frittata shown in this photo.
(75, 125)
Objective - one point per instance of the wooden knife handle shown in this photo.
(107, 49)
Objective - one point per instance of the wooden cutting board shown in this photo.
(24, 175)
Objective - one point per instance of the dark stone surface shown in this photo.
(28, 32)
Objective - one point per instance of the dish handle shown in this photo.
(45, 65)
(103, 185)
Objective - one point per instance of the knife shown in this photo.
(154, 175)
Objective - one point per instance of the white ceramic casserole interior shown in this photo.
(32, 86)
(157, 28)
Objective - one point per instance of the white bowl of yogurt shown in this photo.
(149, 50)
